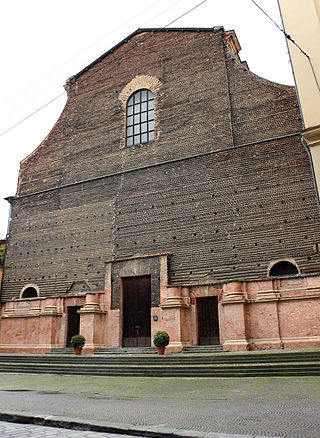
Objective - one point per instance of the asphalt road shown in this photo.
(278, 407)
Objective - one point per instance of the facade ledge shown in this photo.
(91, 308)
(312, 135)
(176, 302)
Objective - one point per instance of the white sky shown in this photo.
(46, 42)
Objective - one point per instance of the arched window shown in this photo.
(30, 291)
(282, 269)
(140, 118)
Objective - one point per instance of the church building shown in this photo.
(173, 193)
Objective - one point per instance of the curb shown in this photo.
(120, 428)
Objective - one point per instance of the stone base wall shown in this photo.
(279, 313)
(35, 325)
(253, 315)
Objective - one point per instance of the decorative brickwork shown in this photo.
(136, 84)
(139, 82)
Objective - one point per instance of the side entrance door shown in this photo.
(73, 323)
(136, 299)
(208, 323)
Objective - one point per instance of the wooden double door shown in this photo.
(208, 322)
(136, 305)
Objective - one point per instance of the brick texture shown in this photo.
(223, 215)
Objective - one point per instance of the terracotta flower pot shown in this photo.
(77, 350)
(160, 350)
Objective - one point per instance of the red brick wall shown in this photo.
(221, 216)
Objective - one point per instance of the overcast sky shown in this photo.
(45, 42)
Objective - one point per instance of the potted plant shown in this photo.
(78, 341)
(161, 340)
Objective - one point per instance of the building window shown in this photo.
(283, 269)
(30, 291)
(140, 118)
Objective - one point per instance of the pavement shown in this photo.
(165, 407)
(16, 430)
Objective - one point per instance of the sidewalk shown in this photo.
(180, 407)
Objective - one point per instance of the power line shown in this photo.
(265, 13)
(288, 37)
(190, 10)
(81, 51)
(163, 12)
(62, 94)
(72, 58)
(30, 115)
(160, 29)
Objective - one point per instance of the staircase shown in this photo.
(66, 350)
(249, 364)
(126, 350)
(203, 349)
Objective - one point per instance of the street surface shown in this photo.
(278, 407)
(14, 430)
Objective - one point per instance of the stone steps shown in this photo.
(250, 364)
(168, 371)
(109, 351)
(178, 359)
(126, 350)
(66, 350)
(203, 349)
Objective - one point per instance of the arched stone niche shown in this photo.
(30, 291)
(283, 268)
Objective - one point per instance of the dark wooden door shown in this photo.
(208, 323)
(136, 293)
(73, 323)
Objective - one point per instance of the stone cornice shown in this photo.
(312, 135)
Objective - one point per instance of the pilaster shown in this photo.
(92, 318)
(234, 312)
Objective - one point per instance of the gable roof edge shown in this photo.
(141, 30)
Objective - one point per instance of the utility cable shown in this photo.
(186, 13)
(62, 94)
(72, 58)
(30, 115)
(82, 51)
(292, 40)
(163, 12)
(158, 30)
(76, 55)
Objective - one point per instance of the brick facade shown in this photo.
(224, 190)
